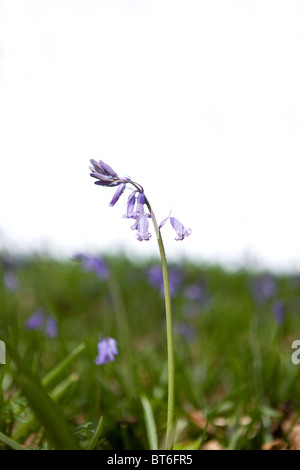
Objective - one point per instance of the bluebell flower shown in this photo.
(10, 276)
(141, 219)
(107, 350)
(41, 321)
(11, 280)
(10, 263)
(130, 213)
(36, 320)
(143, 228)
(264, 289)
(106, 176)
(106, 169)
(104, 173)
(194, 292)
(278, 310)
(140, 203)
(155, 278)
(51, 329)
(93, 264)
(117, 194)
(181, 231)
(184, 329)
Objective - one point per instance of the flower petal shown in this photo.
(117, 194)
(130, 206)
(108, 169)
(179, 229)
(142, 227)
(96, 166)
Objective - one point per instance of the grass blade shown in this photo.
(203, 435)
(150, 423)
(24, 429)
(10, 442)
(60, 367)
(96, 436)
(50, 417)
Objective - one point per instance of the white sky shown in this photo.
(199, 101)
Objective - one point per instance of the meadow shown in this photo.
(236, 385)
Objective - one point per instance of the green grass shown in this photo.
(234, 374)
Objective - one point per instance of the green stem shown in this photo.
(96, 435)
(170, 346)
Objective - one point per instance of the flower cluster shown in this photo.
(137, 203)
(40, 321)
(136, 210)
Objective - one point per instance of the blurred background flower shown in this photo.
(42, 321)
(187, 331)
(93, 264)
(264, 288)
(155, 278)
(107, 350)
(279, 311)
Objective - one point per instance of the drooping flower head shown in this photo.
(181, 231)
(130, 214)
(137, 204)
(107, 350)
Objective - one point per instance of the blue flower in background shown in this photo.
(10, 276)
(264, 289)
(51, 328)
(36, 320)
(41, 321)
(186, 330)
(11, 280)
(155, 278)
(93, 264)
(107, 350)
(278, 310)
(194, 292)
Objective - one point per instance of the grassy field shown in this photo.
(236, 384)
